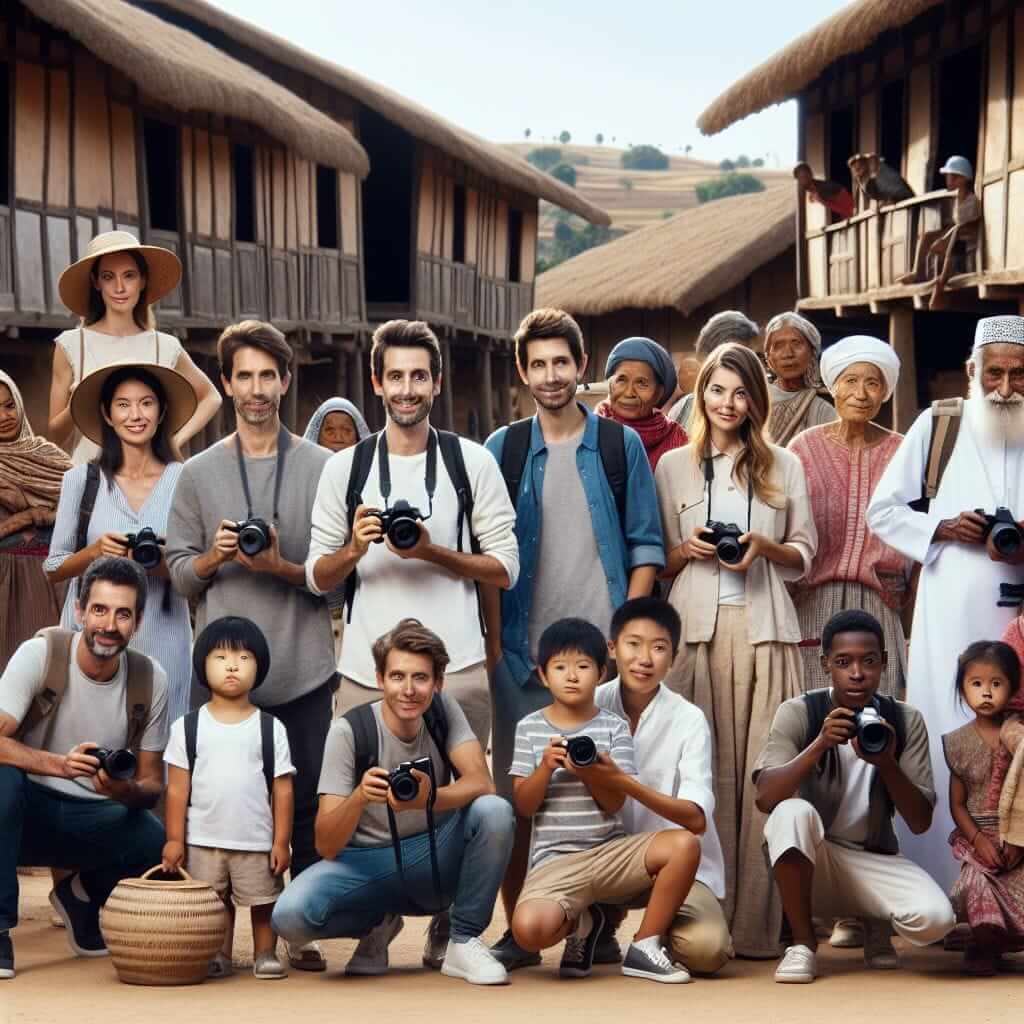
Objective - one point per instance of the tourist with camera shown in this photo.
(839, 763)
(738, 526)
(83, 723)
(408, 821)
(237, 538)
(960, 466)
(118, 503)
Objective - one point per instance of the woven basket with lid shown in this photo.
(163, 932)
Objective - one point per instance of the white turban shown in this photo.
(860, 348)
(999, 330)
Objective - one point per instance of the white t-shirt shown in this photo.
(729, 505)
(851, 820)
(392, 588)
(230, 808)
(89, 711)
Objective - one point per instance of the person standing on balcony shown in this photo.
(877, 180)
(830, 194)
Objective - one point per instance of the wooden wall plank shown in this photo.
(58, 184)
(126, 178)
(501, 239)
(994, 213)
(815, 149)
(58, 253)
(261, 172)
(187, 186)
(93, 179)
(29, 127)
(996, 126)
(1017, 105)
(28, 268)
(305, 201)
(447, 241)
(472, 224)
(222, 186)
(203, 184)
(291, 236)
(278, 211)
(425, 226)
(528, 254)
(1015, 215)
(919, 141)
(348, 199)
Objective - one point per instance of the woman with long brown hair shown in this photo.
(737, 526)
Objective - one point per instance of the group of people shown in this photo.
(680, 630)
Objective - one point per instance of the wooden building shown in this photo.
(915, 81)
(666, 280)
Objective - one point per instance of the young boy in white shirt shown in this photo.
(229, 788)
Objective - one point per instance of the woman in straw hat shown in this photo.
(132, 413)
(113, 288)
(31, 470)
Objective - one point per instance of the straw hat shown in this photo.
(85, 402)
(163, 269)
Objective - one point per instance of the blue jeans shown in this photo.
(347, 896)
(102, 839)
(511, 701)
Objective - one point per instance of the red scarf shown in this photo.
(658, 433)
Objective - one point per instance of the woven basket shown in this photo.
(163, 933)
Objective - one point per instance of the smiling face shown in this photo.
(134, 413)
(572, 677)
(119, 281)
(788, 354)
(643, 655)
(725, 401)
(256, 385)
(986, 689)
(231, 673)
(408, 390)
(109, 618)
(859, 392)
(408, 684)
(10, 421)
(551, 374)
(855, 665)
(633, 390)
(338, 432)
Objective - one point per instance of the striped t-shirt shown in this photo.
(569, 820)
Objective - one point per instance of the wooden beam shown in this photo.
(995, 291)
(901, 337)
(291, 401)
(484, 357)
(447, 381)
(505, 386)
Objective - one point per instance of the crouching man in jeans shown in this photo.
(831, 804)
(385, 856)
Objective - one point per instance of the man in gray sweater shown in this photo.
(264, 479)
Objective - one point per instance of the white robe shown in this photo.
(957, 594)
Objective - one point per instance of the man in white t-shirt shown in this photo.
(62, 696)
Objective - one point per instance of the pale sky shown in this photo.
(640, 71)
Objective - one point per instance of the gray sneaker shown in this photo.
(511, 955)
(653, 965)
(578, 954)
(268, 968)
(436, 946)
(371, 955)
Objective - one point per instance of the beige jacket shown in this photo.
(682, 497)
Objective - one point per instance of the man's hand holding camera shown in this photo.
(267, 560)
(373, 788)
(420, 800)
(225, 544)
(840, 726)
(79, 763)
(367, 530)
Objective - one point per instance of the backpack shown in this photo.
(85, 507)
(947, 415)
(611, 446)
(138, 692)
(191, 724)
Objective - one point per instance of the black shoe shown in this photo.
(6, 956)
(81, 919)
(578, 955)
(511, 955)
(607, 950)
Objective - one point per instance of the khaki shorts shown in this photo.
(614, 872)
(245, 875)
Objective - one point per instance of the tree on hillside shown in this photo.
(644, 158)
(527, 133)
(565, 173)
(545, 157)
(564, 138)
(743, 160)
(727, 185)
(758, 162)
(727, 165)
(572, 236)
(688, 150)
(599, 138)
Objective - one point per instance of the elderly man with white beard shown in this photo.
(961, 571)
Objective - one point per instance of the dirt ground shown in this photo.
(52, 985)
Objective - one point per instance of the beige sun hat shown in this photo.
(163, 269)
(85, 402)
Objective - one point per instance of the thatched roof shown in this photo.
(486, 157)
(683, 262)
(175, 67)
(794, 67)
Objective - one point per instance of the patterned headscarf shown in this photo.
(998, 330)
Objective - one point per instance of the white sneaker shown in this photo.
(848, 933)
(371, 955)
(472, 961)
(799, 966)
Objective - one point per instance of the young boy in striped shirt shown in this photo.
(581, 853)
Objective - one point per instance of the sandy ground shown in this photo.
(52, 985)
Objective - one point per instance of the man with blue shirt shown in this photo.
(567, 470)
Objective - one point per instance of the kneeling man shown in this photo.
(384, 852)
(838, 764)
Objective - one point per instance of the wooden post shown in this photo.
(357, 393)
(505, 375)
(341, 375)
(447, 383)
(484, 356)
(901, 337)
(291, 401)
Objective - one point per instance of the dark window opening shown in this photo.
(840, 144)
(959, 110)
(245, 193)
(459, 225)
(515, 245)
(326, 207)
(892, 113)
(162, 160)
(387, 209)
(5, 134)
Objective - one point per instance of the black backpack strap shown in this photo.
(363, 724)
(514, 450)
(362, 460)
(611, 444)
(267, 750)
(819, 704)
(85, 507)
(191, 725)
(435, 718)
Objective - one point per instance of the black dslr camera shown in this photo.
(400, 523)
(872, 732)
(582, 751)
(118, 764)
(1006, 535)
(726, 539)
(253, 535)
(145, 547)
(404, 784)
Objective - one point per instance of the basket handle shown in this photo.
(159, 867)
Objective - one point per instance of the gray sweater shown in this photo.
(296, 623)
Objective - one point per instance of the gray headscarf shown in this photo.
(316, 421)
(810, 333)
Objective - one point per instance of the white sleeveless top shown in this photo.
(88, 350)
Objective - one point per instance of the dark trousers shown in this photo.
(102, 839)
(306, 721)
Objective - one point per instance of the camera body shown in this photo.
(253, 535)
(726, 539)
(400, 523)
(145, 547)
(1006, 536)
(118, 764)
(403, 784)
(872, 732)
(582, 751)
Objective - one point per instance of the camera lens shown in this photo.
(404, 532)
(729, 550)
(120, 764)
(1006, 538)
(404, 786)
(582, 751)
(872, 734)
(146, 550)
(253, 538)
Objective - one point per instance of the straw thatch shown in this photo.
(177, 68)
(486, 157)
(793, 68)
(683, 262)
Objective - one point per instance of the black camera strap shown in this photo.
(435, 870)
(282, 448)
(709, 479)
(384, 470)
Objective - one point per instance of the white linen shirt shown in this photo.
(672, 754)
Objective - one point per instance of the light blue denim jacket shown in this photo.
(620, 554)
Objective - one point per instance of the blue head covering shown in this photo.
(335, 405)
(645, 351)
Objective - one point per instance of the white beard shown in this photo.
(997, 421)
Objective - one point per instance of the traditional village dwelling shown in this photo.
(916, 81)
(666, 280)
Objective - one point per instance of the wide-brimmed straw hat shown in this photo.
(163, 269)
(85, 402)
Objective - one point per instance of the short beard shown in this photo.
(996, 420)
(553, 405)
(256, 419)
(103, 653)
(410, 419)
